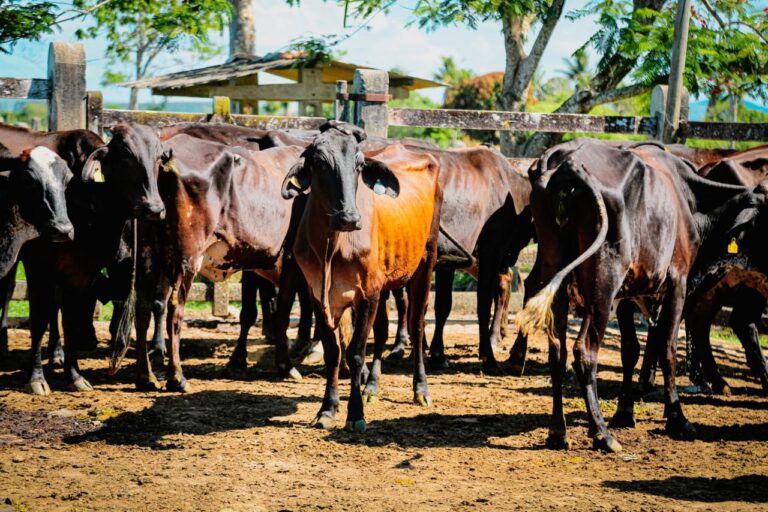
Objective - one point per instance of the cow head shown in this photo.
(129, 166)
(332, 165)
(37, 183)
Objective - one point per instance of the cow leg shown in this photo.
(380, 335)
(747, 311)
(55, 351)
(75, 311)
(332, 354)
(698, 322)
(86, 332)
(248, 315)
(647, 378)
(364, 318)
(41, 299)
(401, 338)
(418, 299)
(268, 298)
(664, 336)
(145, 377)
(291, 282)
(175, 380)
(558, 356)
(304, 335)
(630, 353)
(7, 285)
(443, 303)
(516, 363)
(157, 350)
(500, 300)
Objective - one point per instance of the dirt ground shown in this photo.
(241, 442)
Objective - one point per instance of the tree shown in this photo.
(478, 93)
(24, 20)
(451, 74)
(577, 69)
(139, 31)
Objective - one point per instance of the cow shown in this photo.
(225, 214)
(743, 287)
(118, 182)
(370, 225)
(632, 224)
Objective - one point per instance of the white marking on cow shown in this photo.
(41, 161)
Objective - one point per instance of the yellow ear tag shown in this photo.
(733, 247)
(295, 182)
(98, 176)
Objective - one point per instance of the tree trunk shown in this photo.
(242, 30)
(512, 99)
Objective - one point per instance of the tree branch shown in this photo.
(531, 62)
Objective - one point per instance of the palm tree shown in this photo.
(578, 70)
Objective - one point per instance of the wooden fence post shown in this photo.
(676, 92)
(370, 89)
(93, 108)
(341, 105)
(66, 75)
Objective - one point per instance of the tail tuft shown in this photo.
(537, 313)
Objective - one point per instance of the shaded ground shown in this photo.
(243, 443)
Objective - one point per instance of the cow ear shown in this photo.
(297, 180)
(379, 178)
(92, 166)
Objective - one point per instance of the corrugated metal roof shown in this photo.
(281, 64)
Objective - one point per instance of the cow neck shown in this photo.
(717, 204)
(14, 233)
(97, 214)
(325, 245)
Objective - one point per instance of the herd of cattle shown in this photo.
(342, 221)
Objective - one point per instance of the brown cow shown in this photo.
(632, 224)
(355, 242)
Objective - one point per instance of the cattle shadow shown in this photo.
(747, 488)
(436, 430)
(200, 413)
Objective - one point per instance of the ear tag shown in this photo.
(733, 247)
(98, 176)
(295, 182)
(379, 188)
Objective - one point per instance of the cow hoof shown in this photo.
(371, 395)
(623, 419)
(315, 354)
(38, 387)
(397, 353)
(680, 428)
(157, 359)
(147, 384)
(558, 442)
(491, 367)
(80, 384)
(515, 366)
(237, 363)
(722, 389)
(422, 400)
(324, 420)
(356, 427)
(437, 363)
(180, 386)
(608, 444)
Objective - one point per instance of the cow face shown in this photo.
(38, 184)
(746, 236)
(130, 164)
(333, 165)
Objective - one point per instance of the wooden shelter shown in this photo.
(314, 81)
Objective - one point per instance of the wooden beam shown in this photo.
(25, 88)
(725, 131)
(263, 92)
(520, 121)
(153, 118)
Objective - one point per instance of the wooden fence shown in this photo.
(71, 107)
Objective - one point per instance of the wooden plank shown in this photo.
(167, 118)
(262, 92)
(520, 121)
(25, 88)
(725, 131)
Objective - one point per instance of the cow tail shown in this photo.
(127, 312)
(537, 313)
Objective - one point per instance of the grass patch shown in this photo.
(726, 334)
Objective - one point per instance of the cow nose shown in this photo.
(62, 231)
(348, 221)
(151, 211)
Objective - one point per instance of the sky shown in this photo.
(388, 43)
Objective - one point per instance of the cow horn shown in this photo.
(91, 165)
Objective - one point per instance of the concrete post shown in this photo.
(371, 115)
(66, 75)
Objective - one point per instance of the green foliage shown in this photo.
(478, 93)
(24, 20)
(577, 69)
(137, 31)
(27, 112)
(442, 136)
